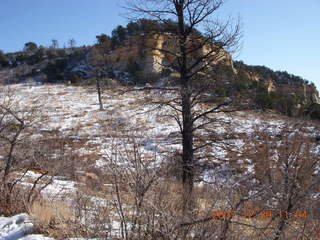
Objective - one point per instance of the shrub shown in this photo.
(313, 111)
(55, 70)
(264, 100)
(75, 79)
(4, 62)
(147, 77)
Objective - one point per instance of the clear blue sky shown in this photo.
(280, 34)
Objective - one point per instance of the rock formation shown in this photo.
(152, 53)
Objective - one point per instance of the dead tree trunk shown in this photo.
(187, 142)
(187, 123)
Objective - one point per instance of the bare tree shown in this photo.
(99, 73)
(14, 125)
(192, 58)
(54, 43)
(97, 63)
(72, 43)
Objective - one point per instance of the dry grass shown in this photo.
(51, 218)
(46, 213)
(62, 93)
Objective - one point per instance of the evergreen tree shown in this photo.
(30, 47)
(4, 61)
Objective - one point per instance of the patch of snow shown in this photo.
(18, 227)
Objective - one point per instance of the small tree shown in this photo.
(118, 35)
(4, 62)
(102, 38)
(72, 43)
(103, 42)
(54, 43)
(97, 63)
(14, 124)
(30, 47)
(133, 28)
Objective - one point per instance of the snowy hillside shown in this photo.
(72, 113)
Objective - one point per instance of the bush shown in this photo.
(313, 111)
(133, 67)
(264, 100)
(55, 70)
(4, 62)
(147, 77)
(75, 79)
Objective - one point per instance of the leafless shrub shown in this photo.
(287, 165)
(150, 203)
(15, 123)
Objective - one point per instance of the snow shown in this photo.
(18, 227)
(58, 188)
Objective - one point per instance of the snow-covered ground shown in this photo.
(74, 112)
(18, 227)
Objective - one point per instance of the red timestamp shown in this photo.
(262, 214)
(268, 214)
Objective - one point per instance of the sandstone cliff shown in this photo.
(279, 82)
(152, 53)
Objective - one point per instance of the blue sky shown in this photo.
(280, 34)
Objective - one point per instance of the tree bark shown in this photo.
(187, 123)
(187, 141)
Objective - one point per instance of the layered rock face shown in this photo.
(308, 92)
(154, 53)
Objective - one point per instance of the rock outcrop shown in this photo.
(280, 82)
(152, 53)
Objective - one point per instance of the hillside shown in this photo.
(85, 173)
(82, 148)
(132, 56)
